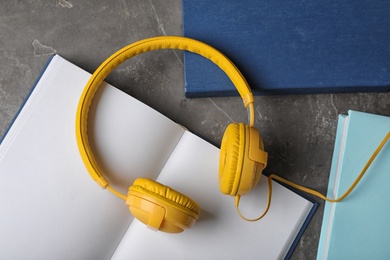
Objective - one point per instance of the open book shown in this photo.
(50, 208)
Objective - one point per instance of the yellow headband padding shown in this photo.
(162, 192)
(163, 42)
(231, 159)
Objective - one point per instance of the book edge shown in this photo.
(305, 223)
(332, 188)
(27, 97)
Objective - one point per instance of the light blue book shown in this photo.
(359, 226)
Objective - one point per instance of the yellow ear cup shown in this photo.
(160, 207)
(242, 159)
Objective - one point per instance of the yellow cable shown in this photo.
(311, 191)
(266, 208)
(116, 193)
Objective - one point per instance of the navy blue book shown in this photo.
(290, 47)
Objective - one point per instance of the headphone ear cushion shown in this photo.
(231, 158)
(160, 207)
(166, 193)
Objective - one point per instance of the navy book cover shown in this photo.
(290, 47)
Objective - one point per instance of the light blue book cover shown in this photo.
(359, 226)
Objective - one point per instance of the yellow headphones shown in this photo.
(242, 156)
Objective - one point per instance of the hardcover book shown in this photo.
(290, 47)
(359, 226)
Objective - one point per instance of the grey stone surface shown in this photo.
(298, 130)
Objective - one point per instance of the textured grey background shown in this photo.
(298, 130)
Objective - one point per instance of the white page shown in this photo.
(50, 208)
(131, 139)
(219, 233)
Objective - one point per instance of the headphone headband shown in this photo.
(150, 44)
